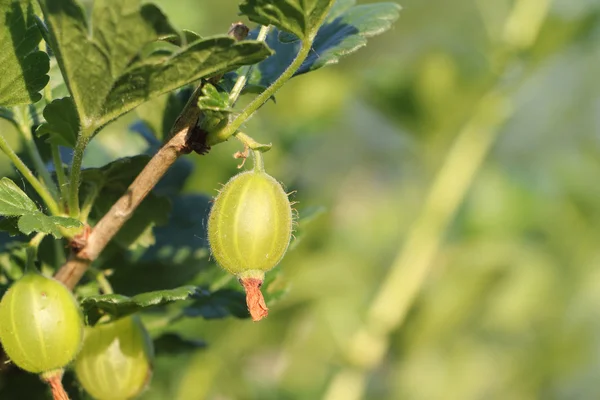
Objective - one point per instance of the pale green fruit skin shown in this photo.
(115, 362)
(250, 223)
(41, 328)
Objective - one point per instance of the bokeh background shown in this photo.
(452, 168)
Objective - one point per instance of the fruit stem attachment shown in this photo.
(54, 380)
(252, 281)
(259, 166)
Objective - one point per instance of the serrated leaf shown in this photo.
(300, 17)
(39, 222)
(213, 100)
(345, 30)
(107, 75)
(118, 306)
(24, 69)
(172, 344)
(13, 201)
(62, 123)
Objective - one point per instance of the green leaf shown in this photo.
(39, 222)
(13, 201)
(219, 304)
(178, 256)
(24, 69)
(345, 30)
(213, 100)
(300, 17)
(62, 123)
(183, 239)
(9, 225)
(173, 344)
(215, 107)
(109, 67)
(118, 306)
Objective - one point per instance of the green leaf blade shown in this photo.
(119, 306)
(62, 123)
(124, 61)
(24, 68)
(201, 59)
(301, 18)
(13, 201)
(346, 29)
(39, 222)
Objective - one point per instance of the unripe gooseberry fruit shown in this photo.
(249, 230)
(115, 362)
(41, 327)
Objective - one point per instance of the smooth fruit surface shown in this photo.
(250, 223)
(41, 328)
(115, 362)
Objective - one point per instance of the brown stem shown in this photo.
(56, 386)
(254, 298)
(72, 271)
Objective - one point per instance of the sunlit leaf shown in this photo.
(62, 123)
(296, 16)
(24, 68)
(118, 306)
(39, 222)
(345, 30)
(110, 71)
(13, 200)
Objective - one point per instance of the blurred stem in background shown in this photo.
(399, 289)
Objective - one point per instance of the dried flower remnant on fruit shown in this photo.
(249, 230)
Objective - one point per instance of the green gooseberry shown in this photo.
(41, 327)
(249, 230)
(115, 362)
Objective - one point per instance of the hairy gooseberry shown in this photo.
(249, 230)
(41, 327)
(115, 362)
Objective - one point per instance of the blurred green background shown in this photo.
(504, 298)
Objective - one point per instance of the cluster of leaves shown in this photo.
(126, 54)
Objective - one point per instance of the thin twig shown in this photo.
(72, 271)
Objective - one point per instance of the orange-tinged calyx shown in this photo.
(252, 281)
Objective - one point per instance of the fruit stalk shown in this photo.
(55, 382)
